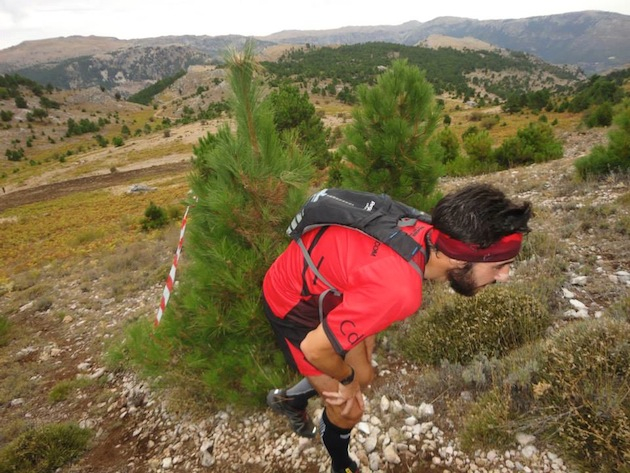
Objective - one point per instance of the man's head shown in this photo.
(480, 231)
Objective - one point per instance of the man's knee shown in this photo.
(365, 377)
(344, 421)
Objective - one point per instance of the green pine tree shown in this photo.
(248, 185)
(387, 145)
(293, 112)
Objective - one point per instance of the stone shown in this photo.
(390, 455)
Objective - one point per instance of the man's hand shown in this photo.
(345, 396)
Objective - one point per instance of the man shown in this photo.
(474, 237)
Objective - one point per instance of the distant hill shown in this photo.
(593, 41)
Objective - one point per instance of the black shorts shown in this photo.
(289, 336)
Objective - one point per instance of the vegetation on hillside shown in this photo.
(146, 95)
(447, 69)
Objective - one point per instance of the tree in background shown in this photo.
(478, 147)
(248, 185)
(293, 112)
(448, 144)
(386, 147)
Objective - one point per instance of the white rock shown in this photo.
(567, 294)
(205, 453)
(364, 427)
(375, 461)
(579, 280)
(529, 451)
(390, 455)
(97, 374)
(577, 304)
(426, 410)
(384, 404)
(411, 421)
(525, 439)
(167, 463)
(370, 444)
(375, 420)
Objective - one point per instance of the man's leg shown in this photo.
(335, 428)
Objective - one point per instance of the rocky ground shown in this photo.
(140, 429)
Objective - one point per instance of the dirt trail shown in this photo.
(82, 184)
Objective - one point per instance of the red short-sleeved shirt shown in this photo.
(378, 286)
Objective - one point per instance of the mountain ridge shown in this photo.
(593, 41)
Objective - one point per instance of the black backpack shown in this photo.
(377, 215)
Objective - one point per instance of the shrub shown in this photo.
(478, 145)
(586, 370)
(535, 143)
(154, 217)
(601, 115)
(45, 449)
(101, 140)
(492, 323)
(14, 154)
(572, 388)
(62, 390)
(612, 158)
(448, 145)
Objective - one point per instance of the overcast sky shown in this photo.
(22, 20)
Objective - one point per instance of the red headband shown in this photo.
(504, 249)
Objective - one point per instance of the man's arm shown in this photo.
(320, 353)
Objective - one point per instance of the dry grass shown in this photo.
(75, 226)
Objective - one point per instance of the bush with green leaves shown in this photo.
(613, 158)
(535, 143)
(495, 321)
(478, 145)
(601, 115)
(44, 449)
(570, 390)
(16, 154)
(154, 217)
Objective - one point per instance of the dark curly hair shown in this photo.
(480, 214)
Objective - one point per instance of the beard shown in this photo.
(462, 281)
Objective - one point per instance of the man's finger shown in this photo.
(360, 400)
(348, 407)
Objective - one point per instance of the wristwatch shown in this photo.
(348, 379)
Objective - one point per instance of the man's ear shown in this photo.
(455, 263)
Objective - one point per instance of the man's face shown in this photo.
(472, 277)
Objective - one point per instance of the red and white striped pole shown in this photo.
(170, 280)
